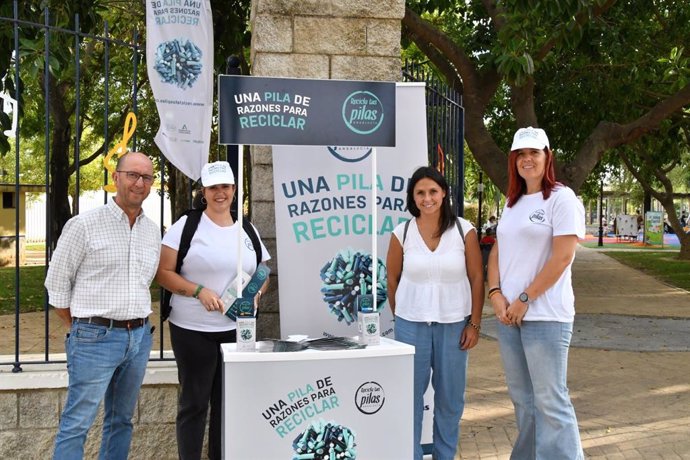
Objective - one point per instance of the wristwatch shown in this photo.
(523, 297)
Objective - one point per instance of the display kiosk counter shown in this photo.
(318, 404)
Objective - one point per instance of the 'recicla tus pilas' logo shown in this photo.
(363, 112)
(369, 398)
(538, 216)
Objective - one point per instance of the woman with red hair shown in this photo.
(531, 292)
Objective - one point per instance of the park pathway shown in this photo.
(630, 404)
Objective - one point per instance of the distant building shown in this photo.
(8, 221)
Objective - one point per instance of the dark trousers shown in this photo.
(199, 370)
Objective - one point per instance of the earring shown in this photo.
(203, 200)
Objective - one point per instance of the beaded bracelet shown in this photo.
(474, 325)
(199, 287)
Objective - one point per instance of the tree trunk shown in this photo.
(684, 239)
(58, 199)
(59, 184)
(666, 200)
(180, 192)
(647, 202)
(678, 229)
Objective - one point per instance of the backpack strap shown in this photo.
(462, 234)
(407, 225)
(190, 226)
(251, 232)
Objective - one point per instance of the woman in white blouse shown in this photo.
(436, 292)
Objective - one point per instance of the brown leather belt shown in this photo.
(125, 324)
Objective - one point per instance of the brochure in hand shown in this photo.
(230, 292)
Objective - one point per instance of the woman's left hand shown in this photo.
(516, 311)
(469, 338)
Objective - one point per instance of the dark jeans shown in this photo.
(199, 370)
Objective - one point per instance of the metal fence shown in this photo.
(445, 130)
(26, 85)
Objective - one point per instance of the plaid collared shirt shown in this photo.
(102, 267)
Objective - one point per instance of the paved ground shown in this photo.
(630, 404)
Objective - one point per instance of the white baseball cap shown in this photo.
(218, 172)
(530, 138)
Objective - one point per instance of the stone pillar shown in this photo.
(320, 39)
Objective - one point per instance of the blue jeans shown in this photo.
(437, 348)
(535, 359)
(103, 364)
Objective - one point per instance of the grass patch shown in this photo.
(623, 246)
(662, 265)
(31, 290)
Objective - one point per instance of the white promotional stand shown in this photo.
(275, 404)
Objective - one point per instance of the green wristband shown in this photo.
(199, 287)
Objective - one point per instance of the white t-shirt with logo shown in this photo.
(525, 236)
(433, 284)
(211, 261)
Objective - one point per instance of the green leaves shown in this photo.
(515, 67)
(677, 67)
(28, 45)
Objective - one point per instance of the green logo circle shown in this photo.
(363, 112)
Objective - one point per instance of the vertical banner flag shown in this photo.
(323, 221)
(179, 60)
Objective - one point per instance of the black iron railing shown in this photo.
(27, 85)
(445, 129)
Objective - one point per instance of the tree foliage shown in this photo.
(652, 161)
(609, 80)
(68, 69)
(76, 134)
(595, 74)
(598, 75)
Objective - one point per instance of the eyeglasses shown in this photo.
(134, 176)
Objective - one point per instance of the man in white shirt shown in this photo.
(98, 281)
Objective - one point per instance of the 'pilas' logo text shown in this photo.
(363, 112)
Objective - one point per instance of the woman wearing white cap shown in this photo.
(530, 289)
(197, 323)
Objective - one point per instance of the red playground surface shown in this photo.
(670, 241)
